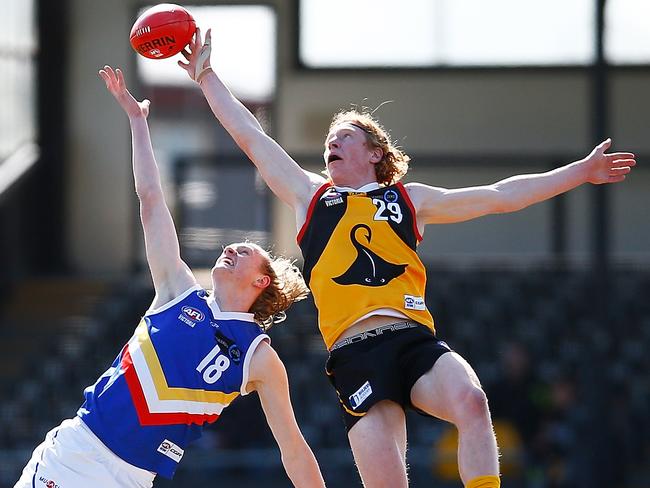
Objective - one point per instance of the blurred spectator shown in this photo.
(516, 394)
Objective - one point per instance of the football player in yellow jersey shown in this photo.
(358, 231)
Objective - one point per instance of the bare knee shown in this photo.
(451, 391)
(470, 406)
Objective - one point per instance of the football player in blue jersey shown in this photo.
(358, 231)
(192, 354)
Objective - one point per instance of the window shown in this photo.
(342, 33)
(243, 51)
(429, 33)
(18, 39)
(203, 170)
(627, 39)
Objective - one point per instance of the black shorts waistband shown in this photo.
(405, 324)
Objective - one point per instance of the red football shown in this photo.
(162, 31)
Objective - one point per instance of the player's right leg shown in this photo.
(378, 442)
(451, 391)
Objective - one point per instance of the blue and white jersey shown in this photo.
(185, 363)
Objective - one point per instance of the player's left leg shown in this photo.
(451, 391)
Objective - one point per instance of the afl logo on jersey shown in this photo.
(330, 194)
(332, 197)
(191, 316)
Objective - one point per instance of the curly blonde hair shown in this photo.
(394, 163)
(287, 286)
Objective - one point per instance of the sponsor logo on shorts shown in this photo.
(190, 316)
(414, 303)
(359, 396)
(171, 450)
(49, 483)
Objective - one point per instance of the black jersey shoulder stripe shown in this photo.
(409, 202)
(318, 229)
(310, 210)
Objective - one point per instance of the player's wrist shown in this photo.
(204, 72)
(136, 118)
(582, 169)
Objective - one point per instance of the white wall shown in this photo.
(100, 201)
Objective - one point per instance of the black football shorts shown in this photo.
(381, 364)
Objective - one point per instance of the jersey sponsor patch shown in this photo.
(390, 196)
(171, 450)
(229, 345)
(358, 397)
(414, 303)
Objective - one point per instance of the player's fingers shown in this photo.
(208, 37)
(120, 78)
(192, 44)
(109, 78)
(110, 71)
(616, 172)
(104, 76)
(185, 66)
(186, 54)
(616, 179)
(621, 155)
(623, 162)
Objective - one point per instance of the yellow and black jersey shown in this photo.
(360, 255)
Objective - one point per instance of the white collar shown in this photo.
(218, 314)
(365, 188)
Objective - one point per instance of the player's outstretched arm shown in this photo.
(281, 173)
(269, 378)
(441, 205)
(170, 274)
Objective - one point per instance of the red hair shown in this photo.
(394, 163)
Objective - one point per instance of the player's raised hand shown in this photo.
(115, 84)
(197, 54)
(608, 167)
